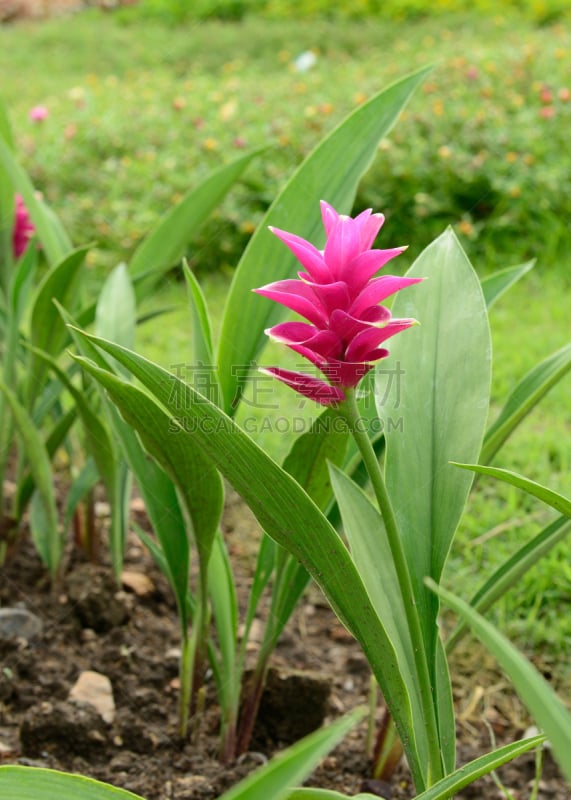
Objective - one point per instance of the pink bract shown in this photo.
(23, 229)
(339, 295)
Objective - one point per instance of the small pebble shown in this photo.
(95, 690)
(19, 623)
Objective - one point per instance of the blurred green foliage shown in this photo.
(542, 11)
(140, 112)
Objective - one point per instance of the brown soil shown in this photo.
(318, 671)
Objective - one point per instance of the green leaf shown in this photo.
(276, 779)
(49, 230)
(115, 314)
(553, 499)
(36, 783)
(198, 482)
(542, 702)
(284, 511)
(528, 392)
(371, 552)
(202, 350)
(48, 541)
(48, 332)
(53, 441)
(331, 172)
(22, 282)
(442, 405)
(82, 484)
(499, 282)
(511, 571)
(202, 361)
(309, 793)
(157, 489)
(163, 509)
(6, 204)
(448, 786)
(165, 245)
(225, 609)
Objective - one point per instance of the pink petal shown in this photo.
(329, 216)
(364, 343)
(306, 253)
(332, 295)
(343, 373)
(297, 296)
(379, 289)
(307, 385)
(364, 266)
(323, 343)
(369, 225)
(342, 246)
(347, 327)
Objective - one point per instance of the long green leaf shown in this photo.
(442, 406)
(557, 501)
(202, 350)
(371, 552)
(50, 232)
(49, 543)
(276, 779)
(448, 786)
(48, 332)
(165, 245)
(36, 783)
(331, 172)
(53, 441)
(545, 706)
(6, 204)
(157, 489)
(528, 392)
(285, 512)
(511, 571)
(116, 312)
(324, 443)
(499, 282)
(198, 482)
(225, 609)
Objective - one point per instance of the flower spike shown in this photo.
(339, 297)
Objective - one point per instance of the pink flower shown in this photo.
(23, 229)
(339, 297)
(38, 113)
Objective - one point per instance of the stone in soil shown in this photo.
(95, 690)
(19, 623)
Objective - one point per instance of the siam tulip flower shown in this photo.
(339, 296)
(23, 229)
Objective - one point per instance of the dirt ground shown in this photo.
(130, 635)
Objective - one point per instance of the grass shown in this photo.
(138, 113)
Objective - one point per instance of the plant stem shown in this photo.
(185, 678)
(350, 411)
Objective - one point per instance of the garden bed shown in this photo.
(131, 636)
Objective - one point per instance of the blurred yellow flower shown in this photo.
(465, 227)
(228, 110)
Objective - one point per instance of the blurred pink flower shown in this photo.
(23, 229)
(547, 112)
(38, 113)
(339, 296)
